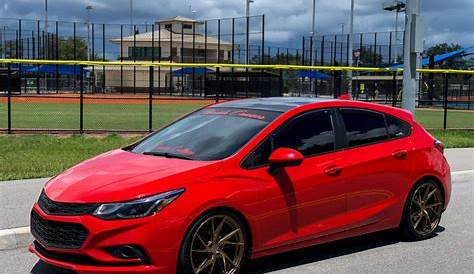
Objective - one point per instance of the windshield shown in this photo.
(207, 135)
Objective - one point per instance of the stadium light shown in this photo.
(397, 6)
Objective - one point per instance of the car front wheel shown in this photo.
(216, 243)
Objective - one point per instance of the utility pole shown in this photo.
(342, 28)
(350, 49)
(414, 32)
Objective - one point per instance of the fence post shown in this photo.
(394, 89)
(150, 101)
(81, 99)
(9, 102)
(218, 86)
(445, 101)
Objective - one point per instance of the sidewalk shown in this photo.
(18, 197)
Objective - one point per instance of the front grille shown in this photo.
(64, 209)
(57, 234)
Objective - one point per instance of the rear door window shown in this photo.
(363, 127)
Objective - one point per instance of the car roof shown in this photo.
(280, 104)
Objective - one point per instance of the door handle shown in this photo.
(400, 154)
(333, 171)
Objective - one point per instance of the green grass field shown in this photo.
(135, 116)
(36, 156)
(96, 116)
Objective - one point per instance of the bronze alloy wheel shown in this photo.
(217, 246)
(425, 209)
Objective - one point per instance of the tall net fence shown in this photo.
(444, 98)
(110, 79)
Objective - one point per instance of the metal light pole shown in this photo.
(313, 24)
(247, 8)
(46, 16)
(412, 53)
(342, 28)
(88, 9)
(350, 49)
(131, 17)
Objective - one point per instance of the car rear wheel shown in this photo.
(216, 243)
(423, 210)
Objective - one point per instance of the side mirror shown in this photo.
(283, 157)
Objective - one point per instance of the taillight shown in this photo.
(439, 146)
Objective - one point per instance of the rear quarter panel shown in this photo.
(430, 162)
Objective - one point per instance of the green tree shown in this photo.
(368, 57)
(66, 49)
(442, 48)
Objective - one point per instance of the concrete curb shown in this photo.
(15, 238)
(20, 237)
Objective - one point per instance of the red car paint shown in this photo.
(336, 195)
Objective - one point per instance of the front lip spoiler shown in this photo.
(90, 269)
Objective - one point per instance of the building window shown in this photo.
(142, 53)
(168, 26)
(187, 26)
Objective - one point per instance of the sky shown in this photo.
(286, 20)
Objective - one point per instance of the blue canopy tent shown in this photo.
(313, 74)
(61, 69)
(440, 57)
(188, 71)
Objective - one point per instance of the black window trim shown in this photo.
(335, 128)
(343, 127)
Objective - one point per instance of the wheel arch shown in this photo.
(436, 180)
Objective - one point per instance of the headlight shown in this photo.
(138, 208)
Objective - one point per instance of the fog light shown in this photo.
(128, 252)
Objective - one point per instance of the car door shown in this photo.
(377, 165)
(305, 201)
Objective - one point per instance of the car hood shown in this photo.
(121, 175)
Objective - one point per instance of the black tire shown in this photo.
(410, 223)
(185, 264)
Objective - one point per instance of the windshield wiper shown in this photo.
(167, 155)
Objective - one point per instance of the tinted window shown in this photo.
(363, 127)
(208, 134)
(397, 128)
(310, 134)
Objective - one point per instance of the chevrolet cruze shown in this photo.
(241, 180)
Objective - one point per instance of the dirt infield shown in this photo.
(129, 99)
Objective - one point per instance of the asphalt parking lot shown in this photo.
(451, 251)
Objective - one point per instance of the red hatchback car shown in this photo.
(244, 179)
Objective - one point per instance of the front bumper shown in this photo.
(160, 240)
